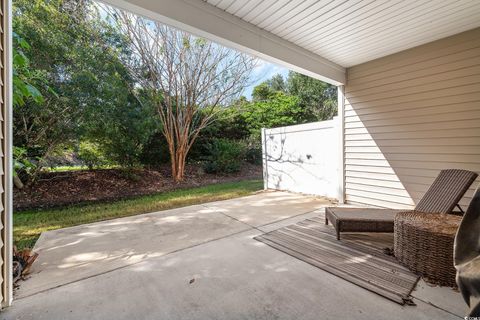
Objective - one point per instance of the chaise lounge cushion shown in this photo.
(360, 219)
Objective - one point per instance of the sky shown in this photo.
(263, 71)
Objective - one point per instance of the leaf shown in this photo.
(34, 92)
(20, 60)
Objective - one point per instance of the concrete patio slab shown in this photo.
(70, 254)
(234, 278)
(199, 262)
(271, 207)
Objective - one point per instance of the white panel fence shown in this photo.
(303, 158)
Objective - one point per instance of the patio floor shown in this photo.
(141, 268)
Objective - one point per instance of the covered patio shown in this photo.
(408, 80)
(201, 262)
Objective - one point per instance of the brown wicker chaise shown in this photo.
(442, 197)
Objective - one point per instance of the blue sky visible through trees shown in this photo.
(262, 72)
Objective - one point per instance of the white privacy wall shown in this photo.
(303, 158)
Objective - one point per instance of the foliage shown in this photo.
(224, 156)
(262, 92)
(28, 225)
(227, 124)
(41, 124)
(122, 128)
(277, 83)
(279, 110)
(155, 151)
(25, 82)
(91, 154)
(253, 153)
(74, 59)
(275, 103)
(317, 98)
(25, 79)
(21, 163)
(187, 78)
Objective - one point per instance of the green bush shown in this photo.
(253, 153)
(224, 156)
(91, 155)
(155, 152)
(24, 168)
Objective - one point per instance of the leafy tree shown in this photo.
(85, 92)
(277, 83)
(262, 92)
(279, 110)
(25, 79)
(91, 154)
(187, 78)
(227, 124)
(318, 98)
(25, 83)
(268, 88)
(122, 128)
(55, 42)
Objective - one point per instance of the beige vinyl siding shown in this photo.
(409, 115)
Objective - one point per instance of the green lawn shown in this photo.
(28, 225)
(76, 168)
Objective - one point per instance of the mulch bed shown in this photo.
(56, 189)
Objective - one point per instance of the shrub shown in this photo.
(155, 152)
(224, 156)
(91, 155)
(253, 153)
(23, 167)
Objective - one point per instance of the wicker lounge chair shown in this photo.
(442, 197)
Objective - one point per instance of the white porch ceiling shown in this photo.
(350, 32)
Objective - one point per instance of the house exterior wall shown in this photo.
(409, 115)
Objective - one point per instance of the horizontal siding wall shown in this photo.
(409, 115)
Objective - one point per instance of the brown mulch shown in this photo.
(63, 188)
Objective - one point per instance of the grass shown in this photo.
(28, 225)
(76, 168)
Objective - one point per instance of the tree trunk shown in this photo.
(178, 158)
(181, 157)
(173, 161)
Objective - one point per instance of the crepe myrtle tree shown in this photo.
(189, 79)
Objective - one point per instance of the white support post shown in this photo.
(7, 147)
(341, 134)
(264, 159)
